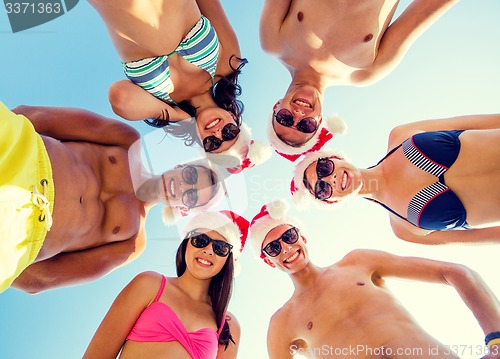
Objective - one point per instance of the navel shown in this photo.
(368, 38)
(112, 159)
(116, 230)
(300, 16)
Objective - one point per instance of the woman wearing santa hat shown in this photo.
(184, 316)
(438, 175)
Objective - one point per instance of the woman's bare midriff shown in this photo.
(94, 198)
(156, 350)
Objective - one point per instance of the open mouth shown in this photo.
(302, 103)
(345, 181)
(212, 123)
(204, 262)
(292, 258)
(171, 188)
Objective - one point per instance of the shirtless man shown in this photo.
(80, 217)
(345, 310)
(334, 42)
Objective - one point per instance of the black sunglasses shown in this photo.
(285, 118)
(229, 132)
(322, 189)
(190, 176)
(201, 240)
(290, 236)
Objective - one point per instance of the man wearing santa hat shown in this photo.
(333, 43)
(346, 310)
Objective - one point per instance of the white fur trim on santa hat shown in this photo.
(219, 223)
(277, 215)
(333, 124)
(302, 197)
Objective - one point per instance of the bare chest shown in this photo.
(335, 37)
(94, 198)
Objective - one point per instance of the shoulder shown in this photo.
(146, 281)
(363, 258)
(279, 320)
(234, 326)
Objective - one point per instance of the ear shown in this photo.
(303, 239)
(269, 263)
(320, 119)
(180, 165)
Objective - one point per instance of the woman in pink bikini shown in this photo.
(184, 316)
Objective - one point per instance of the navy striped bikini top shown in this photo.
(435, 207)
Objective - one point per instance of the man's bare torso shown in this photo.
(334, 37)
(349, 314)
(94, 198)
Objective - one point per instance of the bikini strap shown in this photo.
(388, 208)
(162, 286)
(222, 324)
(387, 155)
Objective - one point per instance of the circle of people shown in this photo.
(182, 76)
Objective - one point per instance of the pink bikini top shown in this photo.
(159, 323)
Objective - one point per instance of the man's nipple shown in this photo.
(116, 230)
(368, 38)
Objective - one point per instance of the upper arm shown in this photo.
(403, 32)
(214, 12)
(74, 124)
(232, 349)
(383, 264)
(78, 267)
(278, 345)
(410, 233)
(122, 315)
(468, 122)
(273, 15)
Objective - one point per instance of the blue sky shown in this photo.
(451, 70)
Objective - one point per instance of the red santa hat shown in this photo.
(233, 227)
(326, 129)
(271, 215)
(301, 195)
(244, 153)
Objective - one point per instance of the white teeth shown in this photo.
(302, 103)
(344, 180)
(172, 187)
(202, 261)
(213, 123)
(292, 258)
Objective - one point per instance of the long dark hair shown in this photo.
(224, 92)
(220, 289)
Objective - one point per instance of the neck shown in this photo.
(308, 76)
(306, 277)
(203, 101)
(373, 182)
(195, 288)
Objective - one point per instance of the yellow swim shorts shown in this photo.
(26, 195)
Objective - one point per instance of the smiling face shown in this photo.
(343, 182)
(293, 257)
(210, 121)
(302, 102)
(187, 186)
(203, 263)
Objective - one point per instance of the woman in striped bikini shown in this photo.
(182, 59)
(438, 175)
